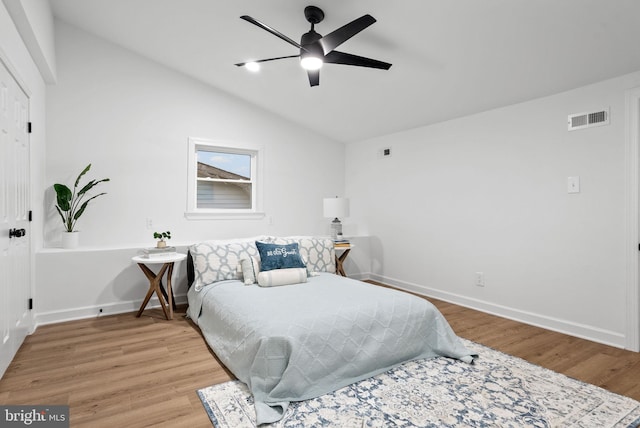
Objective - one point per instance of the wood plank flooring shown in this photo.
(125, 371)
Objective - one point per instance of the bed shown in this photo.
(292, 338)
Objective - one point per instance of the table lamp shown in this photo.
(336, 208)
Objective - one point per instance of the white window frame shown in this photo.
(257, 156)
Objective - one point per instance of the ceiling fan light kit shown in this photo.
(252, 66)
(316, 50)
(310, 62)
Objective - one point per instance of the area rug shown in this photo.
(498, 390)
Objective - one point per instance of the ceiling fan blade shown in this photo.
(272, 31)
(344, 33)
(314, 77)
(335, 57)
(241, 64)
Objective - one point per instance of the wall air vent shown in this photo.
(588, 120)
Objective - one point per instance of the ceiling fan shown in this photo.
(316, 50)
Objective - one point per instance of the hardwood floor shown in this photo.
(608, 367)
(117, 371)
(125, 371)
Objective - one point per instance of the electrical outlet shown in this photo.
(149, 223)
(480, 279)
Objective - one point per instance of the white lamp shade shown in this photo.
(336, 207)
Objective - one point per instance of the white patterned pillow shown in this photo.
(318, 252)
(250, 269)
(275, 277)
(215, 261)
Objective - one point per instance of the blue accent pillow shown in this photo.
(279, 256)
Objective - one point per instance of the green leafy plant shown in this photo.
(162, 235)
(71, 204)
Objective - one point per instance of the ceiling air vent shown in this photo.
(384, 152)
(588, 120)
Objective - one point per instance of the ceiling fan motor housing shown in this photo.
(308, 42)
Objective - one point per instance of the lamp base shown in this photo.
(336, 229)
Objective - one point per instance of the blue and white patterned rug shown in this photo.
(498, 390)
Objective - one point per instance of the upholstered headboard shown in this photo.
(191, 275)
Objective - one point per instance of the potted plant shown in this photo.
(162, 236)
(72, 204)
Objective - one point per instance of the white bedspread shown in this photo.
(301, 341)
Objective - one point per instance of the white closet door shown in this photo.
(15, 233)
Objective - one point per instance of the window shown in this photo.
(224, 180)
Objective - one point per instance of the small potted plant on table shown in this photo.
(161, 236)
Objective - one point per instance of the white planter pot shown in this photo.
(70, 239)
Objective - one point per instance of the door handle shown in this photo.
(17, 233)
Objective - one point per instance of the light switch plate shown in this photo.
(573, 184)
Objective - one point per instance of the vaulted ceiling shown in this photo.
(450, 58)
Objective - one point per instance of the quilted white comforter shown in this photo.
(300, 341)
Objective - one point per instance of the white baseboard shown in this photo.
(582, 331)
(561, 326)
(72, 314)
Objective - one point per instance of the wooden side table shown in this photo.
(155, 280)
(341, 258)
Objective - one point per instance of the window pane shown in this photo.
(221, 195)
(229, 166)
(224, 181)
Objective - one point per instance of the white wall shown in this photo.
(34, 21)
(131, 119)
(488, 193)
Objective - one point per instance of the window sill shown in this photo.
(224, 216)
